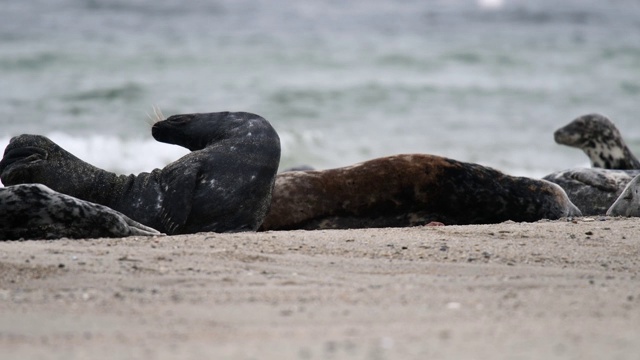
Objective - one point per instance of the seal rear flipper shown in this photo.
(15, 159)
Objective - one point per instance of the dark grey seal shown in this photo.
(592, 190)
(410, 190)
(33, 211)
(223, 185)
(599, 138)
(628, 203)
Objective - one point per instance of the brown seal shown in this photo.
(410, 190)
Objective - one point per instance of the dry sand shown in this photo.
(548, 290)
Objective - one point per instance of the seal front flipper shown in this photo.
(596, 179)
(177, 202)
(138, 229)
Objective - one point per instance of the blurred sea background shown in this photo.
(484, 81)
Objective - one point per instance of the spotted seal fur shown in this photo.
(33, 211)
(410, 190)
(599, 138)
(628, 203)
(223, 185)
(592, 190)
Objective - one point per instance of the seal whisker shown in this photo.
(158, 113)
(150, 120)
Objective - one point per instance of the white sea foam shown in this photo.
(491, 4)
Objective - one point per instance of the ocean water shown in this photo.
(484, 81)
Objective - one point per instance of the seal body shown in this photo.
(592, 190)
(628, 203)
(223, 185)
(33, 211)
(599, 138)
(410, 190)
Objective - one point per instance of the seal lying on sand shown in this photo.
(33, 211)
(628, 203)
(223, 185)
(410, 190)
(599, 138)
(592, 190)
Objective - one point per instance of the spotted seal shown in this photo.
(628, 203)
(223, 185)
(410, 190)
(592, 190)
(599, 138)
(33, 211)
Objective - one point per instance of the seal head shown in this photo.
(599, 138)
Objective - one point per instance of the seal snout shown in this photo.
(564, 137)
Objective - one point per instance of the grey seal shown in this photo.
(410, 190)
(223, 185)
(598, 137)
(592, 190)
(33, 211)
(628, 203)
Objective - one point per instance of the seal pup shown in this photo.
(410, 190)
(33, 211)
(592, 190)
(628, 203)
(223, 185)
(599, 138)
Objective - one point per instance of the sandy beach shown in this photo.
(546, 290)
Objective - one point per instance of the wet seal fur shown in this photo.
(599, 138)
(223, 185)
(410, 190)
(33, 211)
(628, 203)
(592, 190)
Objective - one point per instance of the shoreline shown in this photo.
(550, 289)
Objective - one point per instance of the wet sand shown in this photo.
(547, 290)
